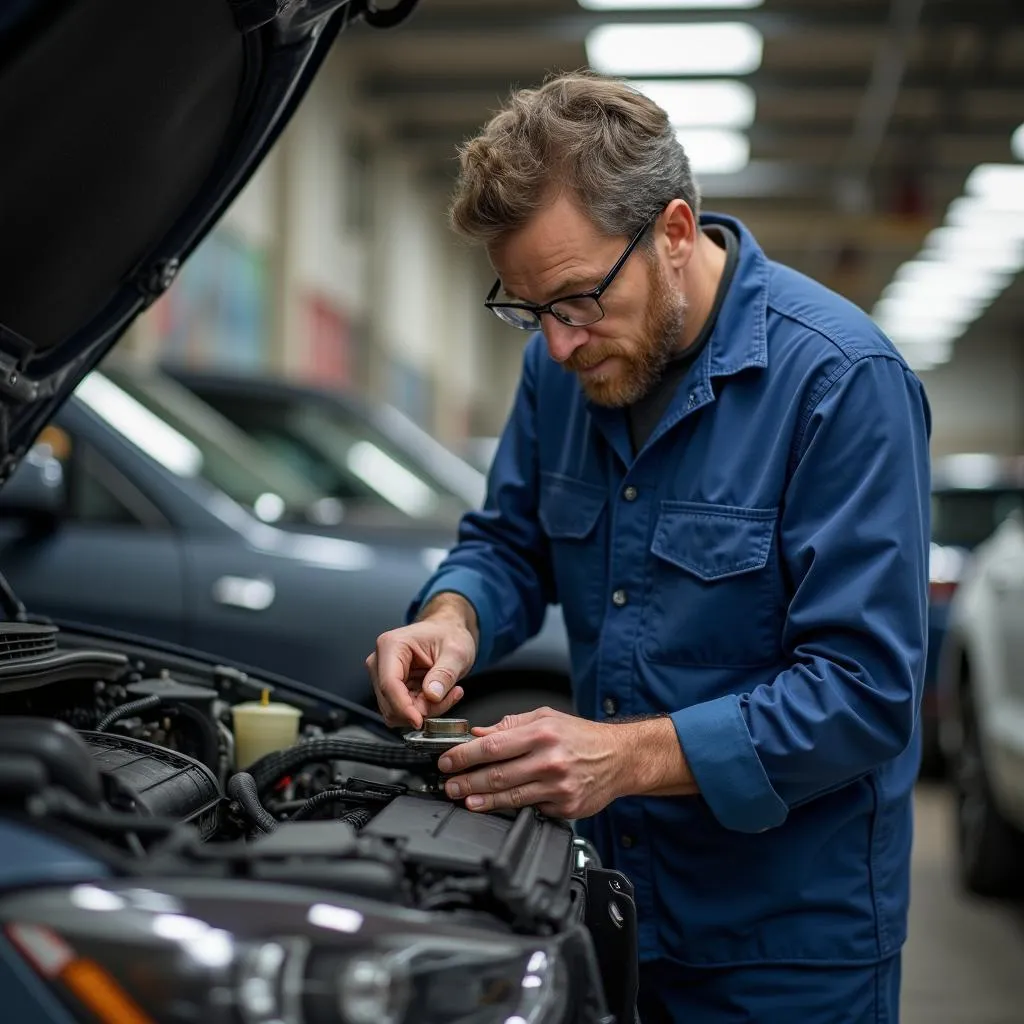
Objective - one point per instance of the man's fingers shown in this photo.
(428, 709)
(495, 778)
(528, 795)
(394, 662)
(454, 696)
(451, 665)
(498, 745)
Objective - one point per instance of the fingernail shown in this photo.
(473, 802)
(435, 689)
(453, 790)
(445, 764)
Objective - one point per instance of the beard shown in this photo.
(637, 369)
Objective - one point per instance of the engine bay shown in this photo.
(129, 754)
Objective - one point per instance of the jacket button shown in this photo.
(609, 707)
(630, 494)
(627, 842)
(619, 598)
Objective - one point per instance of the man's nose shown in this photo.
(562, 339)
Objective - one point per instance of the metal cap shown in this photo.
(438, 727)
(439, 734)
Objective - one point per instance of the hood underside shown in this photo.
(128, 127)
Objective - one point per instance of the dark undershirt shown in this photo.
(645, 414)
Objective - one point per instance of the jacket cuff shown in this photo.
(471, 586)
(720, 753)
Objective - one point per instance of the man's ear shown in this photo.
(680, 230)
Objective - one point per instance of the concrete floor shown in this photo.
(964, 961)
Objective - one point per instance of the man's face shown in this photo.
(560, 252)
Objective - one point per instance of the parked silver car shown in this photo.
(980, 685)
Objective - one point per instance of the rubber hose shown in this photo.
(329, 795)
(132, 707)
(357, 818)
(272, 767)
(242, 787)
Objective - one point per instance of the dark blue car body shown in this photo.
(146, 549)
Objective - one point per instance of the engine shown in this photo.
(139, 750)
(129, 754)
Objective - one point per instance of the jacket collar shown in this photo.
(740, 338)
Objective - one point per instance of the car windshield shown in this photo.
(189, 438)
(965, 518)
(349, 458)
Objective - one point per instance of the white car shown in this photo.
(981, 701)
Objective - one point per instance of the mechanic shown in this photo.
(719, 468)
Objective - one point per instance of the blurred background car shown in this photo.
(972, 493)
(480, 451)
(181, 527)
(980, 674)
(367, 457)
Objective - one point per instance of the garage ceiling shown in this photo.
(870, 114)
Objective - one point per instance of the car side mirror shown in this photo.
(36, 492)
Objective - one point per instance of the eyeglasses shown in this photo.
(578, 310)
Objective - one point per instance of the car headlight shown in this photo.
(219, 952)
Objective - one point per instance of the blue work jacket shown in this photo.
(758, 572)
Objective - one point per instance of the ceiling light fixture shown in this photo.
(963, 265)
(723, 103)
(714, 151)
(979, 249)
(998, 186)
(972, 212)
(669, 5)
(926, 356)
(716, 48)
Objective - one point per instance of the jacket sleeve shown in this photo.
(501, 563)
(854, 533)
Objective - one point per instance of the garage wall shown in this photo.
(978, 398)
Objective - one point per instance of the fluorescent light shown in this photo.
(713, 151)
(716, 48)
(923, 332)
(924, 355)
(972, 212)
(980, 249)
(1017, 143)
(669, 5)
(911, 307)
(999, 186)
(712, 104)
(944, 278)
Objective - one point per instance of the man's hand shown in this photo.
(568, 767)
(415, 669)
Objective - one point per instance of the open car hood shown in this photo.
(128, 128)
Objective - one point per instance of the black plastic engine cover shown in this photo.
(157, 781)
(527, 859)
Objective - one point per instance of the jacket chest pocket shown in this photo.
(573, 517)
(715, 596)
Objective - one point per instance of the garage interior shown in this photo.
(867, 121)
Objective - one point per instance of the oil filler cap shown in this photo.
(439, 734)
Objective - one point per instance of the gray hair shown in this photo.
(598, 139)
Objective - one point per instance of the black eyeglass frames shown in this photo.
(578, 310)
